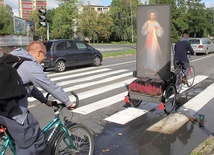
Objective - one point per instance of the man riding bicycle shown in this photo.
(21, 124)
(182, 47)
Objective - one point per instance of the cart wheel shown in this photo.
(170, 95)
(134, 102)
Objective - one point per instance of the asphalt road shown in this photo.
(134, 131)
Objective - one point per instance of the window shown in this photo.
(81, 46)
(60, 46)
(70, 45)
(194, 41)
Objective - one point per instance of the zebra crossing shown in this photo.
(86, 80)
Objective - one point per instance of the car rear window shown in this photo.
(48, 45)
(194, 41)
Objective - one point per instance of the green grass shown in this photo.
(119, 53)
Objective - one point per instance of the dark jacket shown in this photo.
(181, 49)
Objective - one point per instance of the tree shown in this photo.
(196, 18)
(64, 19)
(104, 27)
(88, 24)
(6, 22)
(124, 15)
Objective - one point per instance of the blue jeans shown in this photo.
(185, 67)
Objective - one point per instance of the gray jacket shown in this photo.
(32, 72)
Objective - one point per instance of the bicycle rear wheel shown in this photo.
(170, 95)
(178, 83)
(191, 76)
(82, 141)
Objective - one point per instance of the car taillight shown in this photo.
(51, 57)
(200, 46)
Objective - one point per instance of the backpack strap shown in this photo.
(20, 61)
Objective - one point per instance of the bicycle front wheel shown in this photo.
(82, 141)
(191, 76)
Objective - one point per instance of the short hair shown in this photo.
(185, 32)
(33, 45)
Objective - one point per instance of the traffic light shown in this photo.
(119, 15)
(42, 17)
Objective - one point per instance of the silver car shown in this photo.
(202, 45)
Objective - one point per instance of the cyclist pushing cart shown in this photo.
(182, 47)
(155, 81)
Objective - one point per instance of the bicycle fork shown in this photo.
(67, 139)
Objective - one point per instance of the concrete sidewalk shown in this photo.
(205, 148)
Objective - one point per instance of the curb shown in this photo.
(205, 148)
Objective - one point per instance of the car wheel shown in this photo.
(206, 52)
(96, 61)
(60, 66)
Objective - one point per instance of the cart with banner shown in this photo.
(154, 80)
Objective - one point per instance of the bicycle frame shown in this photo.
(56, 122)
(7, 142)
(58, 125)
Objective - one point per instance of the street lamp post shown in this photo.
(131, 22)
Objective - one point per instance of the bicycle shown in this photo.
(66, 138)
(179, 75)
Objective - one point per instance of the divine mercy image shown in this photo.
(152, 30)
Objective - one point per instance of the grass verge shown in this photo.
(119, 53)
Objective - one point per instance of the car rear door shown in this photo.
(209, 45)
(87, 53)
(66, 50)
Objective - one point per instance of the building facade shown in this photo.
(100, 9)
(1, 2)
(27, 6)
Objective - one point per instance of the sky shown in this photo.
(54, 4)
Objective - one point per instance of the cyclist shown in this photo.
(181, 50)
(21, 124)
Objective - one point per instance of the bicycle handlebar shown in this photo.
(62, 105)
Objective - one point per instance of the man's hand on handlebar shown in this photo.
(49, 103)
(72, 107)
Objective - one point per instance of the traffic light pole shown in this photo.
(47, 31)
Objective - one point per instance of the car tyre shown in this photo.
(60, 66)
(96, 61)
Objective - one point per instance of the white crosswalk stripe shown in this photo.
(88, 78)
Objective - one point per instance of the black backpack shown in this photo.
(11, 85)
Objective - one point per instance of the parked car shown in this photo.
(202, 45)
(63, 53)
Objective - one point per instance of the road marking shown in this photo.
(172, 123)
(96, 91)
(93, 77)
(197, 80)
(129, 114)
(100, 104)
(141, 109)
(80, 74)
(52, 74)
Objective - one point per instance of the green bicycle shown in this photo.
(62, 137)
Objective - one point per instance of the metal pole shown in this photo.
(47, 31)
(131, 22)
